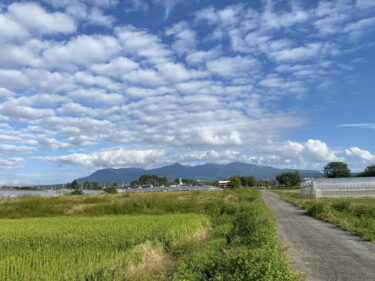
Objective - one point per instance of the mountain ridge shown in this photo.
(208, 171)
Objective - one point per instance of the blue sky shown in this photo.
(86, 85)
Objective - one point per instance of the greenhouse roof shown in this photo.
(345, 183)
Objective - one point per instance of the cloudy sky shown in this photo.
(89, 84)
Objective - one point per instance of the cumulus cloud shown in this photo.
(232, 66)
(185, 41)
(360, 153)
(96, 96)
(11, 163)
(14, 149)
(320, 151)
(13, 111)
(114, 158)
(24, 19)
(82, 50)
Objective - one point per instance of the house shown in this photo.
(223, 183)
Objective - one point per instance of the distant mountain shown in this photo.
(209, 172)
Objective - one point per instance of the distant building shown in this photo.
(338, 187)
(223, 183)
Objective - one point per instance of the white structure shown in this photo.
(223, 183)
(338, 187)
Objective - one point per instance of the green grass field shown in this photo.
(356, 215)
(198, 235)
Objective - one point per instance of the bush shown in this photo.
(76, 191)
(341, 206)
(110, 189)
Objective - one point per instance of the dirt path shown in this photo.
(320, 249)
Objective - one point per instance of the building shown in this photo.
(223, 183)
(338, 187)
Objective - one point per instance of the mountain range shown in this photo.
(209, 172)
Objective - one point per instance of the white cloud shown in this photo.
(140, 43)
(116, 67)
(6, 94)
(364, 126)
(14, 149)
(13, 111)
(360, 153)
(320, 150)
(96, 17)
(230, 67)
(82, 50)
(201, 57)
(96, 96)
(309, 51)
(75, 109)
(114, 158)
(11, 163)
(36, 19)
(360, 27)
(185, 41)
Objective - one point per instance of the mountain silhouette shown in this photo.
(209, 172)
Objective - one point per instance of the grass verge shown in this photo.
(356, 215)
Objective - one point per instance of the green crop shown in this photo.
(83, 248)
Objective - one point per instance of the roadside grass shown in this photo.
(233, 236)
(356, 215)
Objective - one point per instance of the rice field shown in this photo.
(85, 248)
(179, 236)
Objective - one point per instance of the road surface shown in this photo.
(319, 249)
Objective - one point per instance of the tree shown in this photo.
(234, 181)
(248, 181)
(76, 190)
(111, 189)
(74, 185)
(289, 178)
(336, 170)
(153, 180)
(368, 172)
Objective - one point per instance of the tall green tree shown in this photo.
(234, 181)
(289, 178)
(248, 181)
(368, 172)
(336, 170)
(74, 185)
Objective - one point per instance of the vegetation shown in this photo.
(234, 182)
(368, 172)
(336, 170)
(355, 215)
(76, 191)
(69, 247)
(289, 179)
(198, 235)
(110, 189)
(91, 185)
(248, 181)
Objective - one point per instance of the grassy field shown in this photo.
(356, 215)
(198, 235)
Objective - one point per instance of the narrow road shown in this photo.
(320, 249)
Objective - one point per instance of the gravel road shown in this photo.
(321, 250)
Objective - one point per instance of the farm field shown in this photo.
(356, 215)
(200, 235)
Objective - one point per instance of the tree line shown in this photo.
(341, 170)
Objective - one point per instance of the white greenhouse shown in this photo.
(338, 187)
